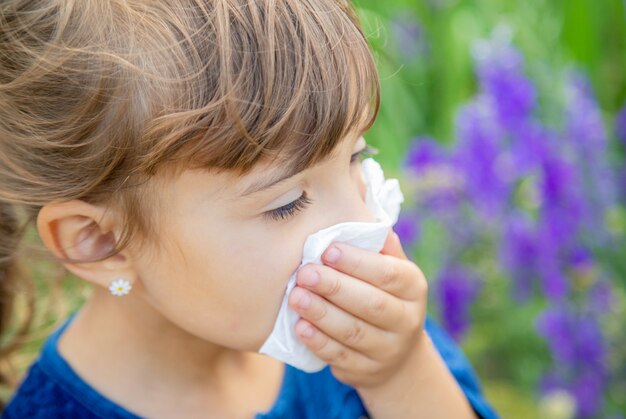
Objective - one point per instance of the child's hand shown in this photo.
(364, 315)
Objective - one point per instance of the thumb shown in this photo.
(393, 246)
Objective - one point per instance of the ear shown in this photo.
(75, 231)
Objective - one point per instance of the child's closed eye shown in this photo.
(367, 151)
(289, 210)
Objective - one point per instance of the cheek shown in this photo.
(360, 182)
(257, 273)
(227, 290)
(267, 265)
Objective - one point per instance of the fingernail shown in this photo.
(309, 278)
(332, 255)
(307, 332)
(303, 300)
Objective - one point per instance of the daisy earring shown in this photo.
(120, 287)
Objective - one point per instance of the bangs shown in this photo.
(268, 82)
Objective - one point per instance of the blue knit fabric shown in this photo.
(51, 389)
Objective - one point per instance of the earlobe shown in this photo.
(80, 235)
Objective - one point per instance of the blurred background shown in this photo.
(505, 122)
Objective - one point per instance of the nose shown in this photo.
(360, 212)
(351, 204)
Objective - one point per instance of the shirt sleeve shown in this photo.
(461, 369)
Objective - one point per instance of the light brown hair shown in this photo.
(97, 96)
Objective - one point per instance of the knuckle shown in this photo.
(335, 287)
(410, 317)
(374, 369)
(354, 334)
(321, 347)
(376, 305)
(319, 312)
(390, 274)
(340, 356)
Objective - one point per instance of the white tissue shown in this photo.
(383, 199)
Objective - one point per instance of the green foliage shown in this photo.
(420, 94)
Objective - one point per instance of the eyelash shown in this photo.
(366, 152)
(288, 210)
(299, 204)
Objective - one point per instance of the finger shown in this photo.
(338, 324)
(357, 297)
(331, 351)
(393, 246)
(399, 277)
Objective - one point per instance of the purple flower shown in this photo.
(478, 158)
(556, 327)
(531, 254)
(423, 153)
(585, 140)
(519, 254)
(581, 258)
(587, 390)
(554, 282)
(558, 178)
(600, 298)
(578, 348)
(407, 228)
(530, 145)
(456, 289)
(538, 196)
(502, 80)
(584, 125)
(575, 340)
(582, 268)
(564, 205)
(621, 182)
(439, 185)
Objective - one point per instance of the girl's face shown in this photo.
(227, 253)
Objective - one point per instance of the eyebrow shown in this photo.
(279, 176)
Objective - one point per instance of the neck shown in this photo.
(134, 333)
(133, 355)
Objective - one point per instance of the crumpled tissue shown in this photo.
(383, 198)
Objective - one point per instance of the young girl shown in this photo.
(175, 154)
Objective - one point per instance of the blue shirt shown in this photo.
(52, 389)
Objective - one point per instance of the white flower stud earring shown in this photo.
(120, 287)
